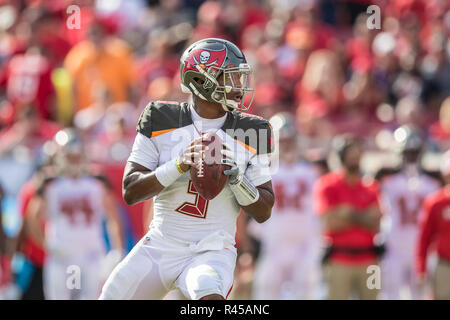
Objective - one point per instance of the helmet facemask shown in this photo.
(70, 157)
(227, 83)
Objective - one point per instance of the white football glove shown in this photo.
(229, 158)
(244, 191)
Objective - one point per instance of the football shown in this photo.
(209, 180)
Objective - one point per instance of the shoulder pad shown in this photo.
(160, 117)
(253, 131)
(435, 175)
(43, 184)
(385, 172)
(103, 179)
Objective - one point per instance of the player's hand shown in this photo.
(229, 158)
(193, 154)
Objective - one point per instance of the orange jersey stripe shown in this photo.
(252, 150)
(159, 132)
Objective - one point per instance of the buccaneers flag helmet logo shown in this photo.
(204, 59)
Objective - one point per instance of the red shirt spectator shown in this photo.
(438, 132)
(29, 131)
(332, 190)
(434, 227)
(28, 81)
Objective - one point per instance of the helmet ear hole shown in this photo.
(199, 81)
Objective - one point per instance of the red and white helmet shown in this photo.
(216, 70)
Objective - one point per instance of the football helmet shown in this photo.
(285, 134)
(410, 143)
(409, 139)
(216, 70)
(70, 151)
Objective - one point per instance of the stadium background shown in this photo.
(313, 58)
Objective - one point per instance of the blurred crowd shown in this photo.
(94, 68)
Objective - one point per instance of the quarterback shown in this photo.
(190, 245)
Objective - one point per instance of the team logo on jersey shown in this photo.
(204, 59)
(146, 240)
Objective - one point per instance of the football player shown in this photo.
(73, 207)
(402, 193)
(293, 226)
(190, 246)
(434, 228)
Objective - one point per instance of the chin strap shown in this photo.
(225, 107)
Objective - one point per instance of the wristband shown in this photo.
(168, 173)
(179, 166)
(244, 191)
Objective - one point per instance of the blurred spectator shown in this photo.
(28, 82)
(19, 148)
(409, 111)
(160, 63)
(209, 22)
(320, 92)
(306, 29)
(114, 140)
(28, 131)
(100, 63)
(440, 130)
(348, 206)
(435, 228)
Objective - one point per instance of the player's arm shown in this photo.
(261, 209)
(252, 188)
(334, 215)
(343, 217)
(34, 218)
(113, 221)
(140, 183)
(427, 231)
(337, 219)
(369, 218)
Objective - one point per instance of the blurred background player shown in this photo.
(435, 229)
(5, 256)
(72, 207)
(291, 273)
(402, 193)
(348, 206)
(29, 252)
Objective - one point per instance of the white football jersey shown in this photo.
(402, 198)
(293, 219)
(75, 214)
(179, 211)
